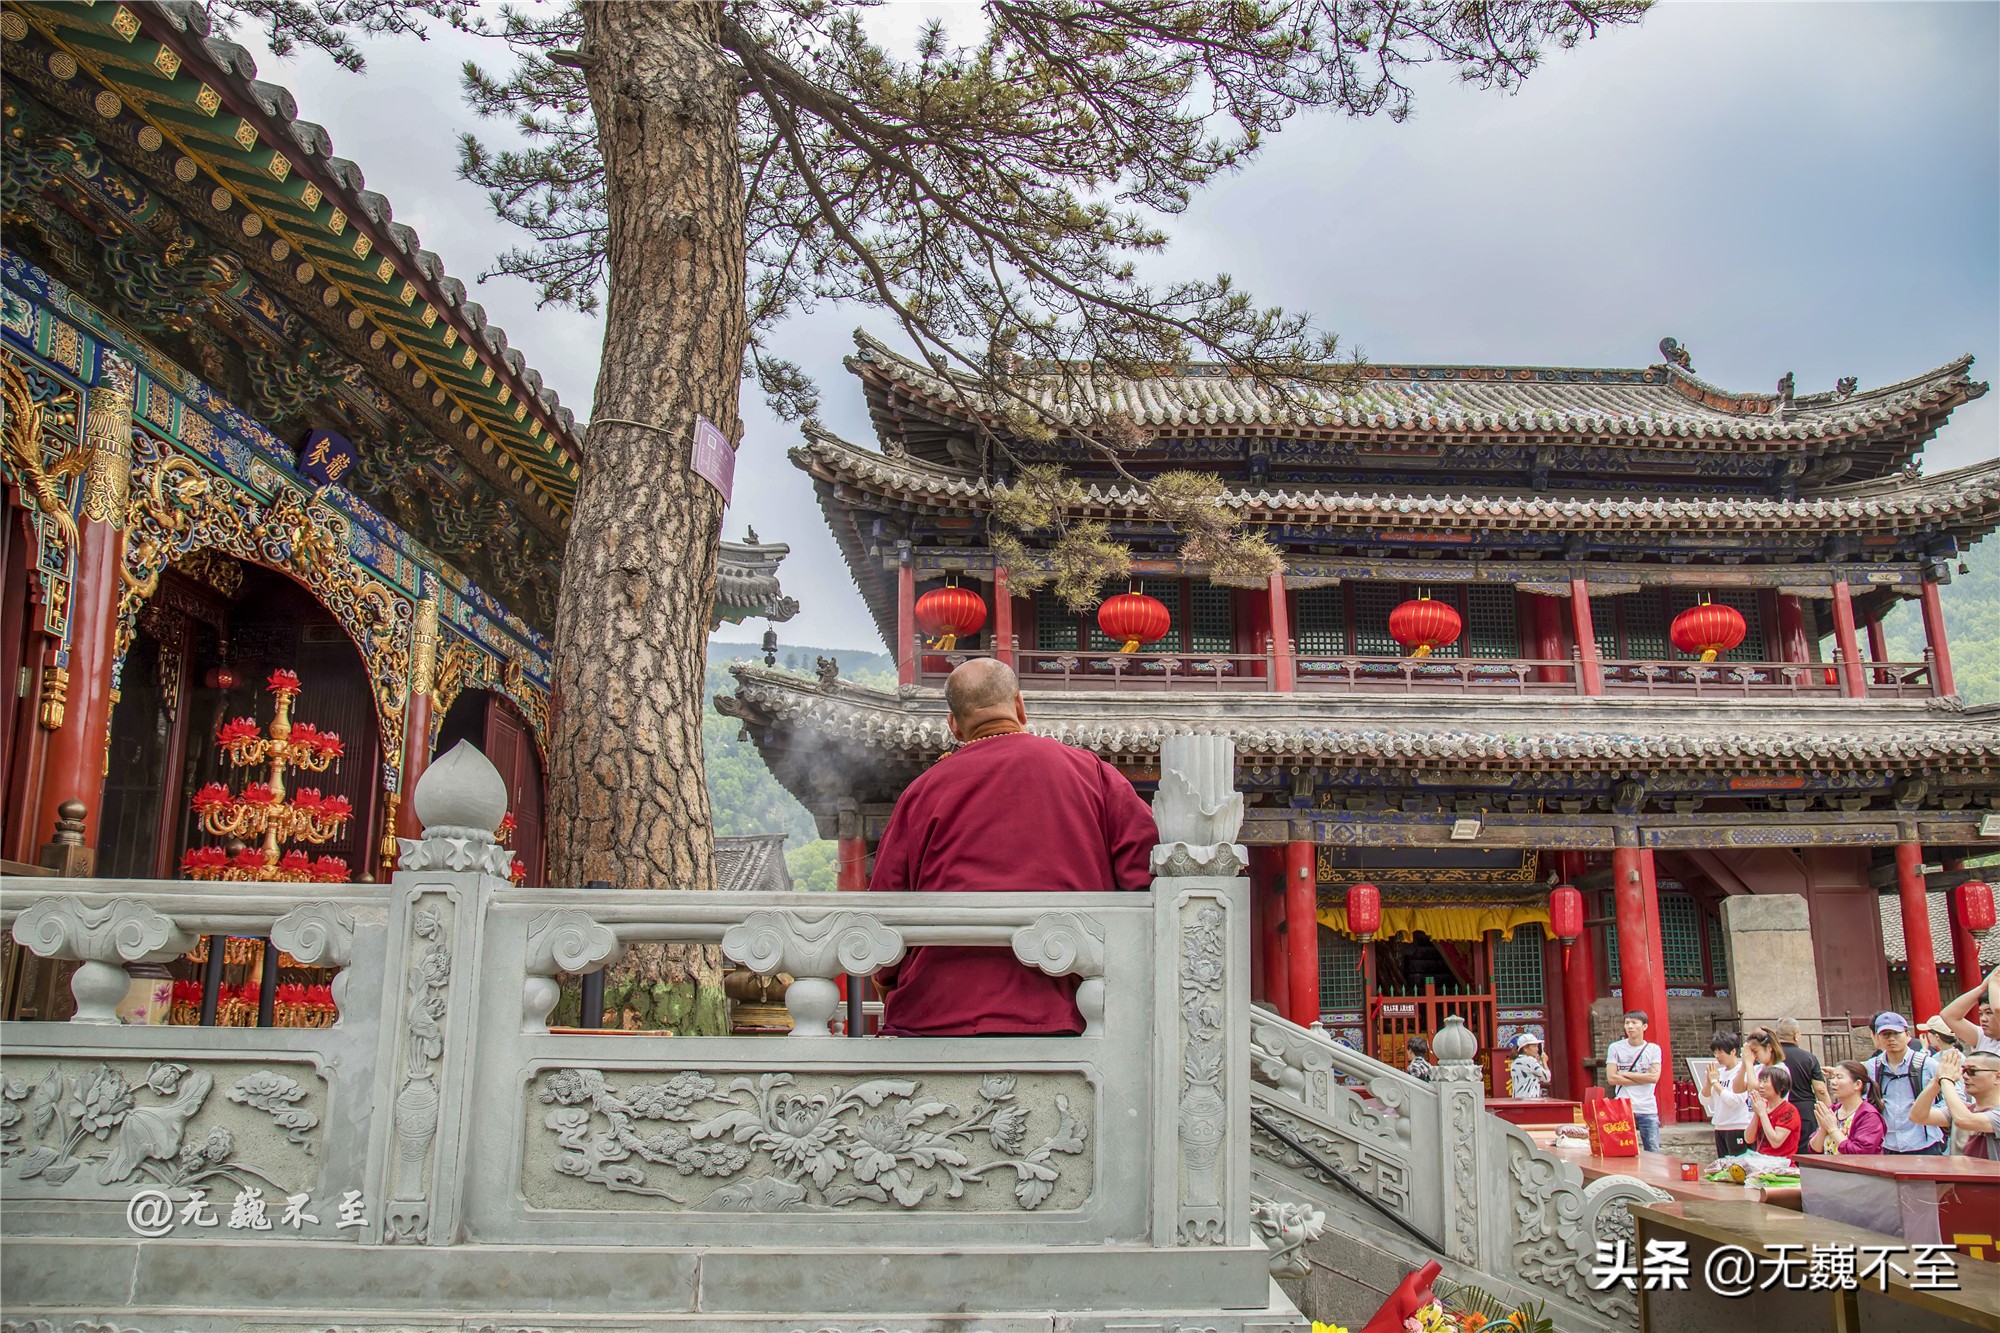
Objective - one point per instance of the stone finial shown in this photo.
(460, 800)
(1455, 1042)
(1197, 808)
(461, 789)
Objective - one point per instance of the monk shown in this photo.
(1005, 812)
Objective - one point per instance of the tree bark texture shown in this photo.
(628, 800)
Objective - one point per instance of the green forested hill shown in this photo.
(1972, 624)
(744, 795)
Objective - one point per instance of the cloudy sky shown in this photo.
(1808, 187)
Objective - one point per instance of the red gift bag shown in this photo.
(1613, 1131)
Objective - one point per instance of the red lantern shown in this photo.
(1708, 628)
(1421, 624)
(220, 678)
(1364, 911)
(946, 615)
(1566, 913)
(1975, 906)
(1134, 618)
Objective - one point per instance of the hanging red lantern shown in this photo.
(1364, 911)
(1421, 624)
(1708, 629)
(1566, 913)
(946, 615)
(1134, 619)
(1975, 906)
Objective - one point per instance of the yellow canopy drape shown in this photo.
(1447, 921)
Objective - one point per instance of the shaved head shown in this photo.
(981, 685)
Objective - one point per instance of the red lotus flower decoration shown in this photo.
(212, 796)
(308, 800)
(236, 729)
(506, 829)
(336, 807)
(282, 679)
(518, 872)
(295, 863)
(203, 861)
(330, 870)
(250, 858)
(330, 745)
(258, 793)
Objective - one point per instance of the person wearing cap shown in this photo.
(1936, 1036)
(1900, 1072)
(1529, 1073)
(1975, 1029)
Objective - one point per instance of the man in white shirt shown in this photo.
(1960, 1016)
(1632, 1068)
(1900, 1072)
(1728, 1110)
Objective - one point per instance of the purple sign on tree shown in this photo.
(712, 457)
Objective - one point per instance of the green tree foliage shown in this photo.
(1972, 626)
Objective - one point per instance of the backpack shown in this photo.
(1915, 1073)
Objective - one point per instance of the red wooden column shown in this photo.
(1661, 1030)
(851, 855)
(906, 617)
(1259, 923)
(416, 756)
(1586, 636)
(80, 741)
(1302, 930)
(1964, 948)
(1924, 1001)
(1853, 683)
(1268, 883)
(1547, 644)
(1579, 985)
(1934, 635)
(1792, 644)
(1641, 965)
(1003, 617)
(1283, 673)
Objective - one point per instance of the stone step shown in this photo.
(224, 1285)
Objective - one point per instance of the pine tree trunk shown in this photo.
(628, 801)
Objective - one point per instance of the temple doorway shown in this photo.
(497, 728)
(205, 644)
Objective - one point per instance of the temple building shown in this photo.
(255, 436)
(1563, 544)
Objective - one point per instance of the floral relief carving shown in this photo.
(278, 1097)
(1556, 1222)
(418, 1100)
(1203, 1110)
(54, 1127)
(827, 1145)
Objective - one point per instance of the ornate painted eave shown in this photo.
(1964, 502)
(187, 110)
(1405, 732)
(1658, 407)
(746, 582)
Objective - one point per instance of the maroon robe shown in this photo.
(1010, 813)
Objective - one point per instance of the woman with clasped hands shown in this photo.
(1853, 1124)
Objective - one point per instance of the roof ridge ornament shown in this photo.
(1677, 355)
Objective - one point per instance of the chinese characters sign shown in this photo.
(325, 458)
(712, 458)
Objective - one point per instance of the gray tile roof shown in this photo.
(752, 863)
(1413, 731)
(1897, 951)
(1965, 501)
(1661, 405)
(746, 582)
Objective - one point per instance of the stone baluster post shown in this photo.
(441, 890)
(1461, 1090)
(1201, 1186)
(103, 939)
(815, 948)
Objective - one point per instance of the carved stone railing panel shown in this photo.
(815, 947)
(103, 937)
(1069, 944)
(563, 939)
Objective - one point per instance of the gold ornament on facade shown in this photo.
(55, 697)
(23, 443)
(107, 445)
(423, 648)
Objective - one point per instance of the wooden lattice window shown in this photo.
(1339, 973)
(1491, 626)
(1372, 604)
(1645, 627)
(1604, 625)
(1055, 625)
(1718, 961)
(1517, 968)
(1321, 628)
(1211, 619)
(1680, 939)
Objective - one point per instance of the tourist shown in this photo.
(1529, 1073)
(1852, 1124)
(1728, 1109)
(1937, 1035)
(1420, 1066)
(1006, 811)
(1632, 1068)
(1972, 1115)
(1774, 1121)
(1760, 1051)
(1809, 1090)
(1900, 1071)
(1977, 1031)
